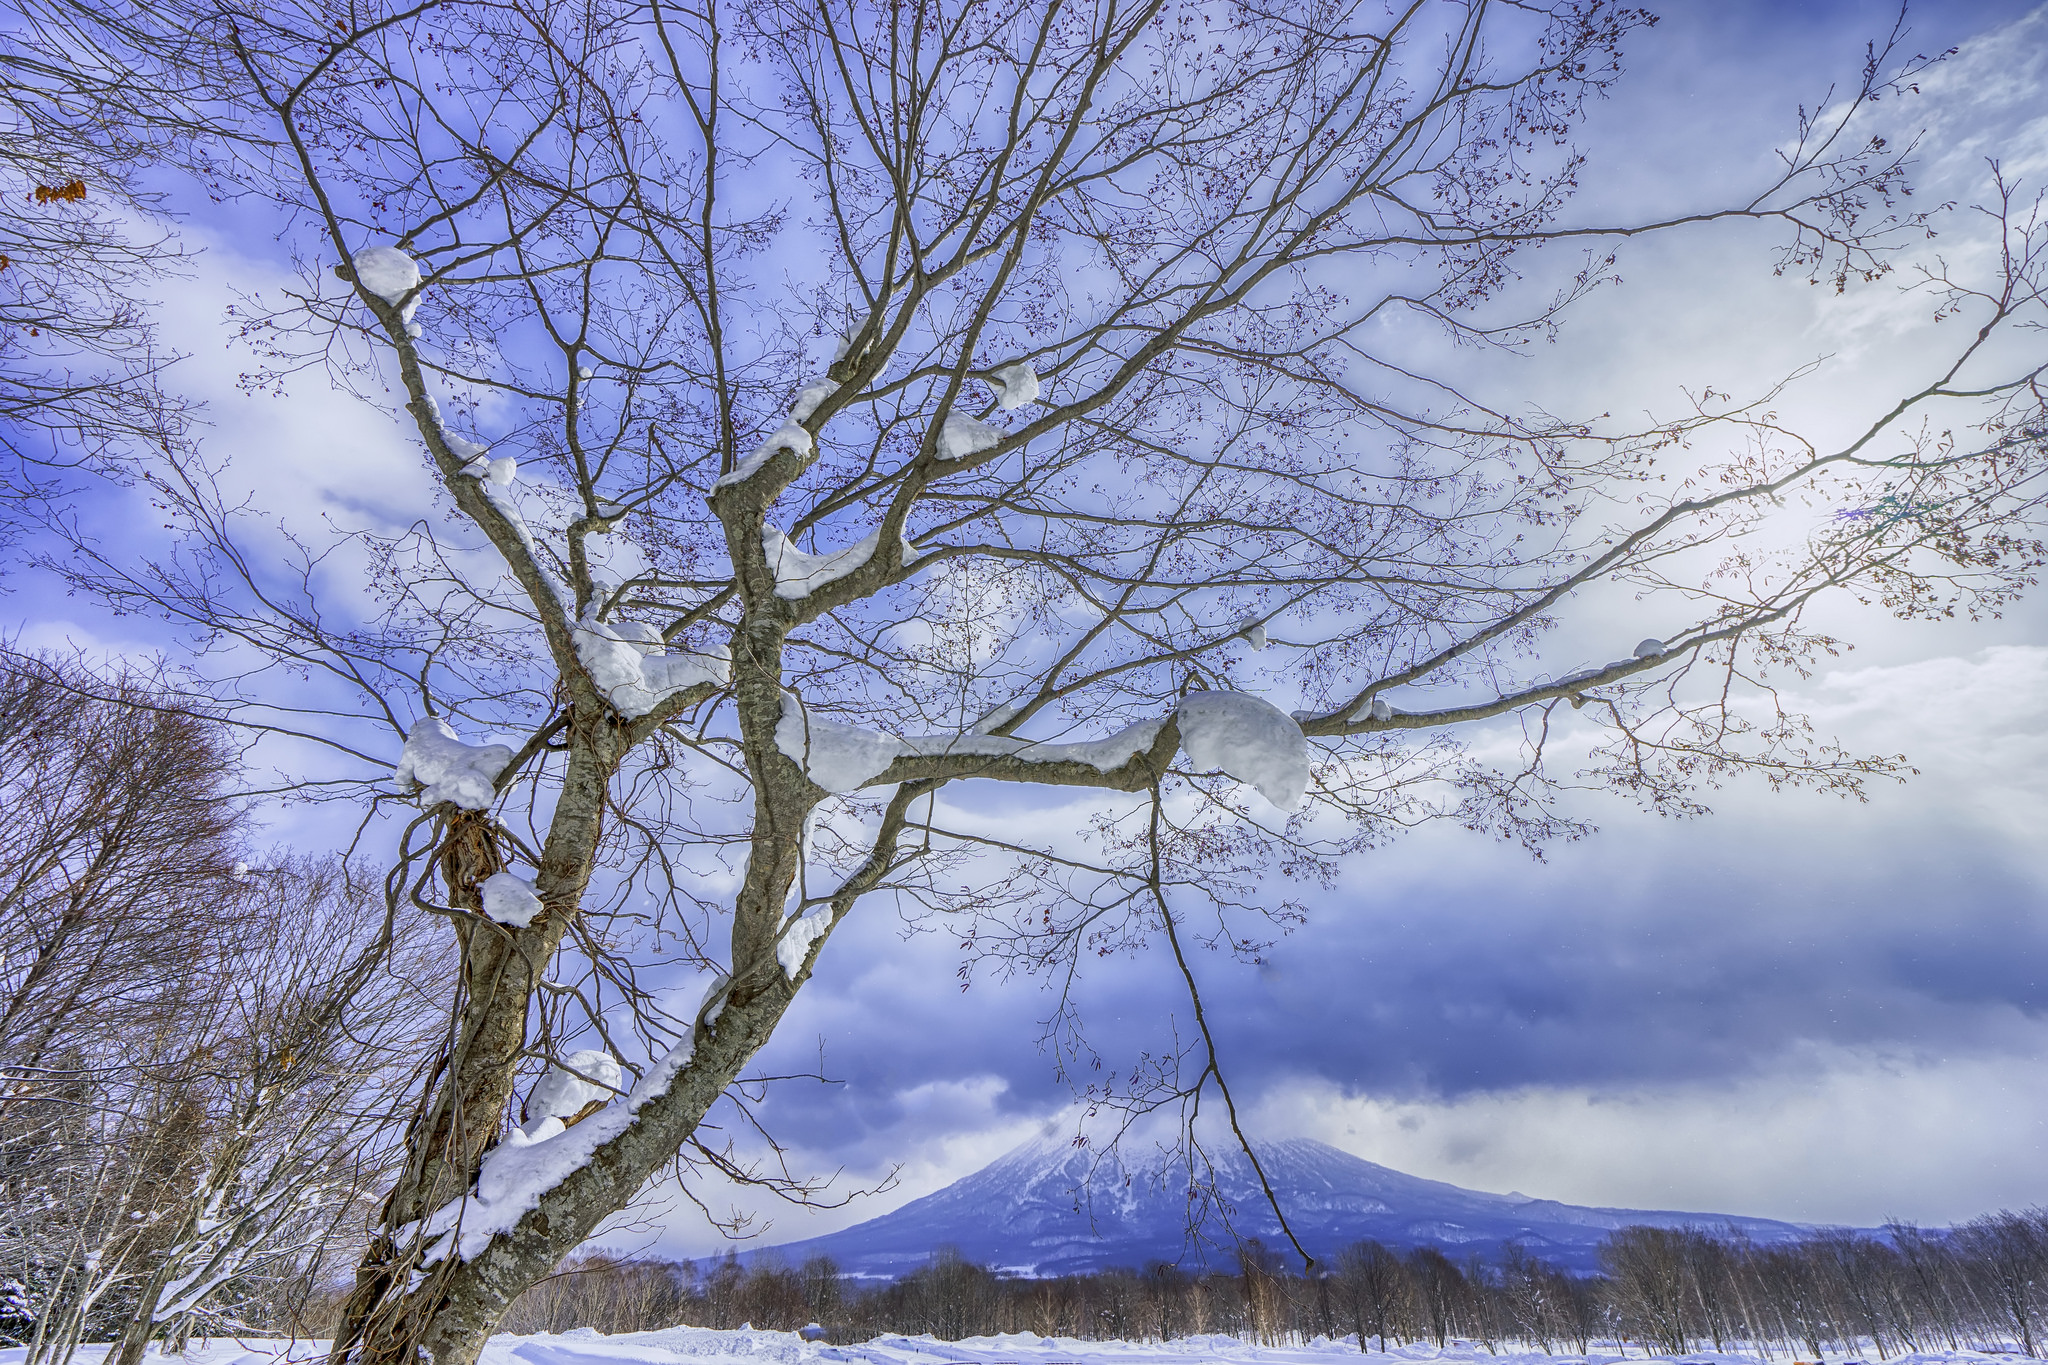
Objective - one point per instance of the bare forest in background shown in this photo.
(204, 1046)
(1666, 1291)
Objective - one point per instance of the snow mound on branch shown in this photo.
(510, 900)
(797, 937)
(790, 436)
(563, 1091)
(1251, 740)
(446, 769)
(998, 715)
(1015, 385)
(961, 436)
(798, 573)
(390, 274)
(839, 758)
(495, 477)
(1649, 649)
(641, 636)
(499, 472)
(459, 445)
(636, 674)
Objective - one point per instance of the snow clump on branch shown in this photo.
(1251, 740)
(572, 1084)
(839, 758)
(961, 436)
(637, 674)
(1015, 385)
(390, 274)
(798, 573)
(443, 768)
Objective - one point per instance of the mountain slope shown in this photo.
(1048, 1208)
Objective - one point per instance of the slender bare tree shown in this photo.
(122, 834)
(831, 404)
(327, 1002)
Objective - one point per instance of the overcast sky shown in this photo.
(1795, 1007)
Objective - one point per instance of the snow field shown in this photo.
(703, 1346)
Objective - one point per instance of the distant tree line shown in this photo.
(1666, 1290)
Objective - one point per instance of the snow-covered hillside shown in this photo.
(1049, 1208)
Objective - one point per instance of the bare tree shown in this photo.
(122, 838)
(120, 830)
(1376, 1290)
(832, 404)
(1440, 1293)
(2007, 1256)
(328, 1004)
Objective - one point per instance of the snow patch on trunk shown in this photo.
(797, 937)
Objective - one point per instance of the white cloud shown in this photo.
(1838, 1136)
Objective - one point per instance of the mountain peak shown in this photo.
(1048, 1207)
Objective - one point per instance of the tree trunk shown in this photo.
(141, 1326)
(455, 1309)
(460, 1122)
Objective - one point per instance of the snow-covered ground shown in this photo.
(702, 1346)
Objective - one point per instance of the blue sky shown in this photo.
(1794, 1007)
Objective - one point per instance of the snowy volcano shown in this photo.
(1049, 1208)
